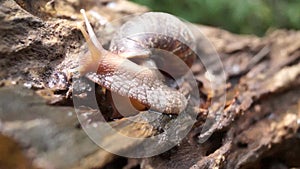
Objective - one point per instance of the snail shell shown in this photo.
(115, 71)
(140, 38)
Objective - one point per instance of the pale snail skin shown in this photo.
(114, 71)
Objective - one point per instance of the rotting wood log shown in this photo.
(40, 45)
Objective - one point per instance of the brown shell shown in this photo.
(152, 31)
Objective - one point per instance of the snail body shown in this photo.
(116, 71)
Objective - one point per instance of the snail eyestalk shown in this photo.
(91, 32)
(95, 47)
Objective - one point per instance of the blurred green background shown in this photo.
(239, 16)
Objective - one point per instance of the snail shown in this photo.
(123, 69)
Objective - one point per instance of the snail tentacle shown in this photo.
(89, 62)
